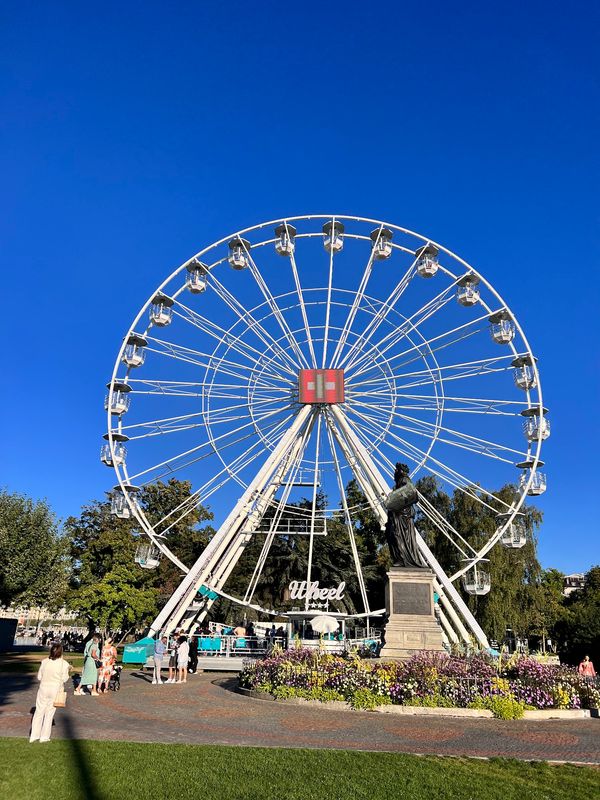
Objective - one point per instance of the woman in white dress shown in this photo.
(183, 655)
(52, 674)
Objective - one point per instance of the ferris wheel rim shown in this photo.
(536, 449)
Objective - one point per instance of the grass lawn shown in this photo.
(28, 661)
(107, 770)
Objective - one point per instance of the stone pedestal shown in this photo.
(411, 625)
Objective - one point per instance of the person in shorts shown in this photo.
(173, 658)
(183, 654)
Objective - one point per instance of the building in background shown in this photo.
(572, 583)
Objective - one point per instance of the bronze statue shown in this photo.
(400, 529)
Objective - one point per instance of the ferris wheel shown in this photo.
(286, 359)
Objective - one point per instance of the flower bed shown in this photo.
(427, 679)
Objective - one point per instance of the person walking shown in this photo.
(183, 654)
(160, 647)
(52, 674)
(109, 659)
(91, 659)
(586, 668)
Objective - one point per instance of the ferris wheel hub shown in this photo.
(321, 386)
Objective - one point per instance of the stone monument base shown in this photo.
(411, 625)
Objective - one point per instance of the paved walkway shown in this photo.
(207, 711)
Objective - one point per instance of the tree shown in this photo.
(108, 588)
(116, 601)
(578, 631)
(33, 562)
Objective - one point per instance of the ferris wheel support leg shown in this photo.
(226, 565)
(460, 631)
(177, 605)
(450, 593)
(449, 630)
(380, 489)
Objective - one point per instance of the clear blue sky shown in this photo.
(132, 134)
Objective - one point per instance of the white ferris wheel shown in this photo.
(287, 358)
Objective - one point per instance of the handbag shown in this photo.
(60, 701)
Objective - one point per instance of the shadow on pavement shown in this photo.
(15, 684)
(141, 677)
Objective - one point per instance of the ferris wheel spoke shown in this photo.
(280, 506)
(328, 302)
(465, 405)
(170, 470)
(246, 317)
(448, 474)
(218, 333)
(465, 330)
(217, 481)
(207, 446)
(271, 302)
(215, 416)
(353, 309)
(440, 523)
(299, 292)
(234, 369)
(313, 511)
(431, 430)
(347, 516)
(411, 323)
(165, 423)
(386, 307)
(161, 427)
(465, 369)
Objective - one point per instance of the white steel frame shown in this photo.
(278, 430)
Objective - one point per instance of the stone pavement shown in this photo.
(207, 711)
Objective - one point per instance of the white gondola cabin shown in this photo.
(502, 327)
(514, 535)
(119, 399)
(117, 457)
(285, 243)
(382, 243)
(467, 292)
(476, 580)
(536, 425)
(427, 263)
(538, 479)
(161, 311)
(523, 372)
(333, 236)
(134, 353)
(238, 253)
(147, 555)
(196, 277)
(120, 506)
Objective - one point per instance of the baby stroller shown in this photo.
(114, 683)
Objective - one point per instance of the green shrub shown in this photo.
(501, 707)
(284, 692)
(364, 699)
(430, 701)
(316, 693)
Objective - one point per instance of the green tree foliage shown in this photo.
(108, 588)
(578, 630)
(33, 562)
(514, 573)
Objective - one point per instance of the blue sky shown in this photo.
(133, 135)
